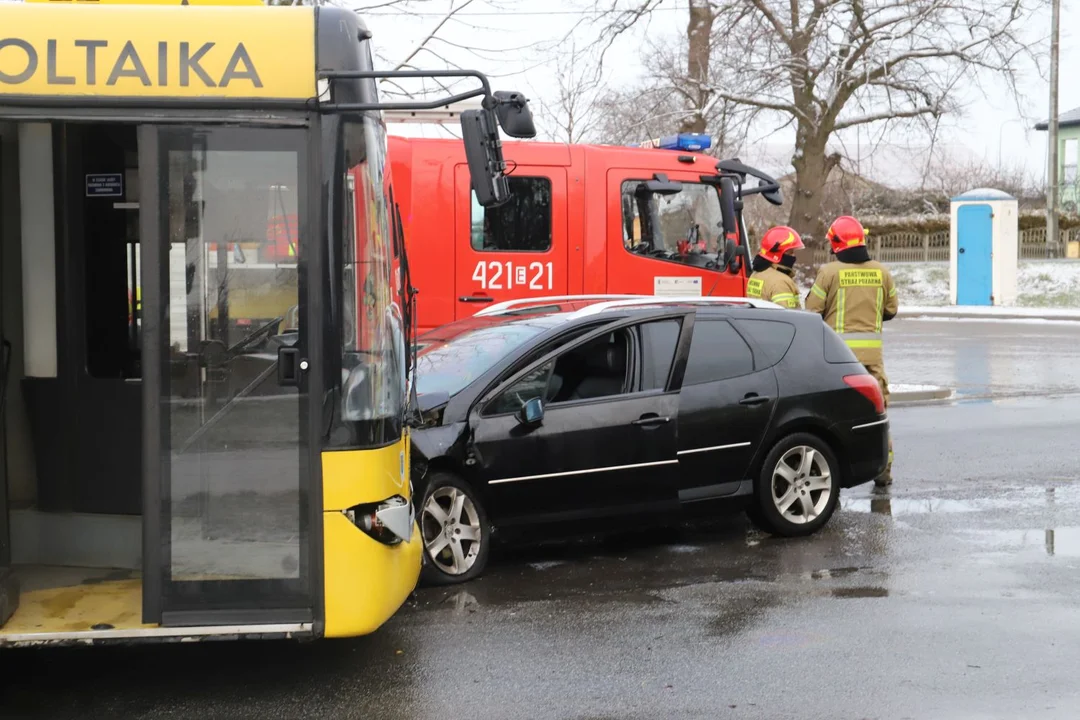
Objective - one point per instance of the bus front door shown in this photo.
(227, 478)
(9, 587)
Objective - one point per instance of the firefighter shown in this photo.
(771, 279)
(855, 295)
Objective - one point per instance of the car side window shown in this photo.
(596, 369)
(658, 343)
(533, 384)
(717, 352)
(772, 338)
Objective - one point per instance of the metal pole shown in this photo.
(1052, 199)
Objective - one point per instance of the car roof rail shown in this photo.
(506, 305)
(661, 300)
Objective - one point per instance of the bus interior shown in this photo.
(71, 520)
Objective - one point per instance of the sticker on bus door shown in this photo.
(495, 275)
(677, 286)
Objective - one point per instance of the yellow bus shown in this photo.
(205, 322)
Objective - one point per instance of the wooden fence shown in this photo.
(934, 247)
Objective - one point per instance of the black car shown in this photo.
(635, 410)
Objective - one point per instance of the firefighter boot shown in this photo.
(877, 369)
(885, 479)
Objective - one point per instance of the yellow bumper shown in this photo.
(365, 581)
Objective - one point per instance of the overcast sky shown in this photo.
(516, 38)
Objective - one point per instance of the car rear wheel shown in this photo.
(455, 531)
(799, 487)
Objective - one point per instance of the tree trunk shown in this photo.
(812, 167)
(699, 47)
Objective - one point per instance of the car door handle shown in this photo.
(476, 298)
(651, 420)
(754, 399)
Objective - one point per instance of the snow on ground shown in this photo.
(909, 388)
(1041, 284)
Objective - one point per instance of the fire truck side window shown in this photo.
(670, 227)
(522, 224)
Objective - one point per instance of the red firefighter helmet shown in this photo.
(779, 240)
(846, 232)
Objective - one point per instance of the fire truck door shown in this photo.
(516, 250)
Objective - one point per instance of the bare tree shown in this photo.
(825, 66)
(572, 114)
(449, 37)
(679, 91)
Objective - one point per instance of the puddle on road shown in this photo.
(1010, 499)
(917, 506)
(859, 593)
(1055, 542)
(683, 548)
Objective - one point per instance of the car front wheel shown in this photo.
(455, 531)
(799, 487)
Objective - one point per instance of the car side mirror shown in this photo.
(531, 413)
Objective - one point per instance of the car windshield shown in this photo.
(450, 366)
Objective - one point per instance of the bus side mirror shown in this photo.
(514, 115)
(483, 152)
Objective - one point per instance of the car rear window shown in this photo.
(772, 339)
(836, 350)
(717, 352)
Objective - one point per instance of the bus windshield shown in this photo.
(373, 332)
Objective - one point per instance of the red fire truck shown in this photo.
(661, 218)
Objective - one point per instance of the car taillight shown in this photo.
(868, 386)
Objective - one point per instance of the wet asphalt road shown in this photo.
(955, 595)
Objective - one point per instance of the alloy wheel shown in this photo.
(801, 484)
(451, 528)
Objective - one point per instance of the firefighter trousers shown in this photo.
(877, 369)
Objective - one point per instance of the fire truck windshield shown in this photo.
(673, 227)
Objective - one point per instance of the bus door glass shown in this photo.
(515, 250)
(665, 244)
(233, 347)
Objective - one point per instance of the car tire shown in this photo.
(455, 547)
(799, 479)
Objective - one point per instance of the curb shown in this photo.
(952, 313)
(920, 395)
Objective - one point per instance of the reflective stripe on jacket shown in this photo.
(775, 286)
(854, 299)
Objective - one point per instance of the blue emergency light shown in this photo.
(691, 142)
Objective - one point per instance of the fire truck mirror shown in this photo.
(774, 196)
(660, 185)
(483, 152)
(514, 115)
(727, 206)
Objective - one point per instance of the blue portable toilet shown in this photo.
(984, 247)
